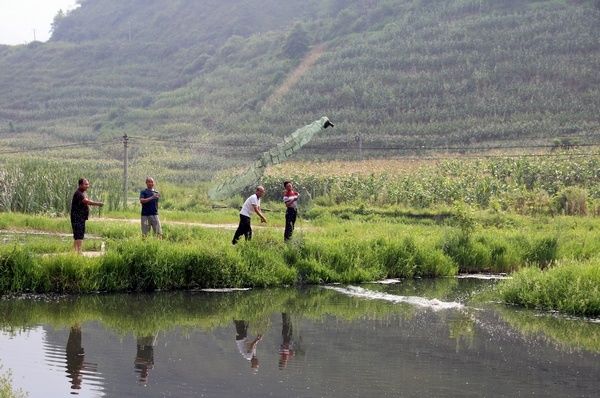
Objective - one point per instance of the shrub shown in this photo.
(571, 201)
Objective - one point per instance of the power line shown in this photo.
(46, 148)
(504, 156)
(391, 148)
(329, 147)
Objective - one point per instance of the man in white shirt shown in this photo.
(251, 205)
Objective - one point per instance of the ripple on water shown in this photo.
(434, 304)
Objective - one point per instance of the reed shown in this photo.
(569, 287)
(6, 388)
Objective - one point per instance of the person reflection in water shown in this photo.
(246, 346)
(75, 356)
(144, 357)
(286, 350)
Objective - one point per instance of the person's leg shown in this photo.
(78, 234)
(156, 227)
(241, 329)
(241, 230)
(248, 233)
(145, 225)
(290, 221)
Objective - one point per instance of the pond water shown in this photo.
(424, 338)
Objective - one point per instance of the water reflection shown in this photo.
(245, 345)
(312, 342)
(75, 357)
(144, 357)
(286, 349)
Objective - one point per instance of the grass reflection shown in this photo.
(147, 314)
(566, 334)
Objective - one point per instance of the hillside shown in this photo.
(202, 85)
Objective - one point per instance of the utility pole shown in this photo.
(34, 35)
(358, 140)
(125, 170)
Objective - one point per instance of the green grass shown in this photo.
(6, 388)
(325, 250)
(569, 287)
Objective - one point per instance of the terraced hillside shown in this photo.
(193, 82)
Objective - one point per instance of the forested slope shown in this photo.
(200, 76)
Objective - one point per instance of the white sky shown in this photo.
(18, 19)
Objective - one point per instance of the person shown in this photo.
(80, 211)
(149, 200)
(246, 347)
(290, 198)
(252, 204)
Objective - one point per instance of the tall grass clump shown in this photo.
(570, 288)
(18, 270)
(6, 388)
(572, 201)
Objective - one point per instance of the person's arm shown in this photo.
(257, 210)
(290, 199)
(254, 342)
(143, 200)
(150, 199)
(89, 202)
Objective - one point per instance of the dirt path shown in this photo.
(198, 224)
(309, 60)
(41, 233)
(191, 224)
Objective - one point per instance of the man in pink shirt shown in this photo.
(290, 198)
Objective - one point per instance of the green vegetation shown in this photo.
(323, 251)
(6, 389)
(546, 185)
(538, 185)
(190, 81)
(570, 288)
(426, 219)
(202, 87)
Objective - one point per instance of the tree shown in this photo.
(60, 15)
(297, 42)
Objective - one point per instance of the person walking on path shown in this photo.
(252, 204)
(149, 199)
(80, 211)
(290, 198)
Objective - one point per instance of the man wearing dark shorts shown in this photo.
(80, 211)
(149, 200)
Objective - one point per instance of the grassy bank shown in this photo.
(325, 249)
(570, 287)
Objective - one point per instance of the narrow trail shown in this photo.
(309, 60)
(186, 223)
(37, 232)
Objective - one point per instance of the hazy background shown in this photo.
(18, 19)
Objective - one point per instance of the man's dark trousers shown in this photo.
(290, 222)
(243, 229)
